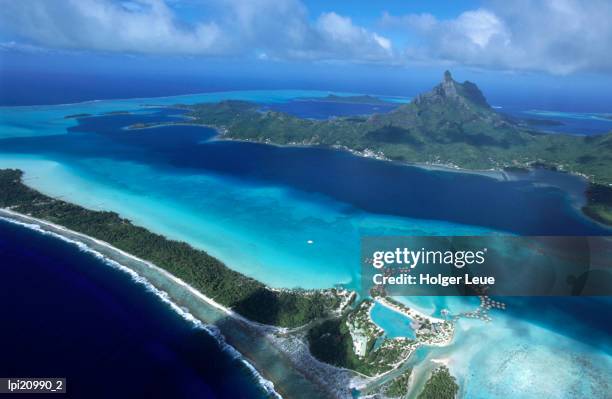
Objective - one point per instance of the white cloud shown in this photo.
(480, 26)
(145, 26)
(382, 41)
(268, 29)
(557, 36)
(338, 36)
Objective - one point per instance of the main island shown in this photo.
(451, 126)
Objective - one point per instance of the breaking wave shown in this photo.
(267, 385)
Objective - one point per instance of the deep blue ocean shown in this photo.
(65, 313)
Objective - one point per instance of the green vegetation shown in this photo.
(398, 387)
(332, 342)
(441, 385)
(245, 295)
(452, 125)
(599, 203)
(364, 332)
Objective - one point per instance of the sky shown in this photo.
(387, 46)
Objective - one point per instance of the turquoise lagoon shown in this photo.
(263, 232)
(394, 323)
(288, 236)
(512, 357)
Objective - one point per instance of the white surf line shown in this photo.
(35, 223)
(164, 272)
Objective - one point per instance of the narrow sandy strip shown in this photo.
(408, 311)
(168, 275)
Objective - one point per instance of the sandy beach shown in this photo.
(282, 362)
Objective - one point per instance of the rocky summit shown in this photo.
(466, 93)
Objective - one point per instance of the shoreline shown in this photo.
(499, 174)
(185, 314)
(258, 344)
(407, 311)
(57, 229)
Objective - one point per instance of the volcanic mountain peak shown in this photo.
(466, 93)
